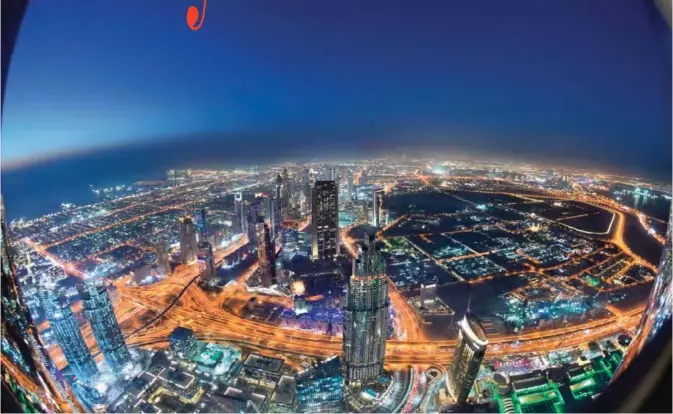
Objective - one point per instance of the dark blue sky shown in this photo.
(572, 79)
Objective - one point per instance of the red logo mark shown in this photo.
(193, 16)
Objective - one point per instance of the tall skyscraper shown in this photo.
(266, 255)
(271, 214)
(22, 350)
(320, 388)
(349, 184)
(290, 238)
(377, 202)
(287, 193)
(187, 240)
(98, 310)
(325, 220)
(163, 260)
(254, 213)
(207, 258)
(363, 179)
(201, 223)
(306, 188)
(470, 350)
(67, 333)
(240, 214)
(366, 318)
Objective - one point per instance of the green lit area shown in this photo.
(537, 393)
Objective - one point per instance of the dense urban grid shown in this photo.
(390, 285)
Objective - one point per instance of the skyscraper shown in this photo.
(325, 220)
(254, 213)
(377, 201)
(470, 350)
(201, 223)
(240, 214)
(98, 310)
(306, 189)
(163, 261)
(266, 255)
(182, 342)
(67, 333)
(366, 318)
(287, 193)
(22, 350)
(271, 213)
(349, 183)
(320, 387)
(206, 257)
(187, 240)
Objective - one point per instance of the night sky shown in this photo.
(565, 80)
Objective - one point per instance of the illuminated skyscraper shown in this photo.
(207, 258)
(306, 188)
(287, 193)
(377, 202)
(271, 213)
(183, 342)
(254, 214)
(349, 184)
(366, 318)
(467, 357)
(22, 350)
(290, 238)
(201, 223)
(240, 214)
(266, 255)
(325, 220)
(98, 310)
(163, 261)
(320, 387)
(67, 333)
(187, 240)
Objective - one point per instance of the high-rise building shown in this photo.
(254, 214)
(470, 350)
(207, 258)
(290, 238)
(428, 293)
(270, 211)
(23, 354)
(377, 202)
(349, 184)
(366, 317)
(187, 240)
(98, 310)
(163, 260)
(363, 179)
(67, 333)
(240, 214)
(306, 189)
(201, 223)
(320, 387)
(325, 220)
(266, 255)
(287, 193)
(182, 342)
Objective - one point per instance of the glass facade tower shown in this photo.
(366, 318)
(98, 310)
(325, 220)
(470, 350)
(66, 330)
